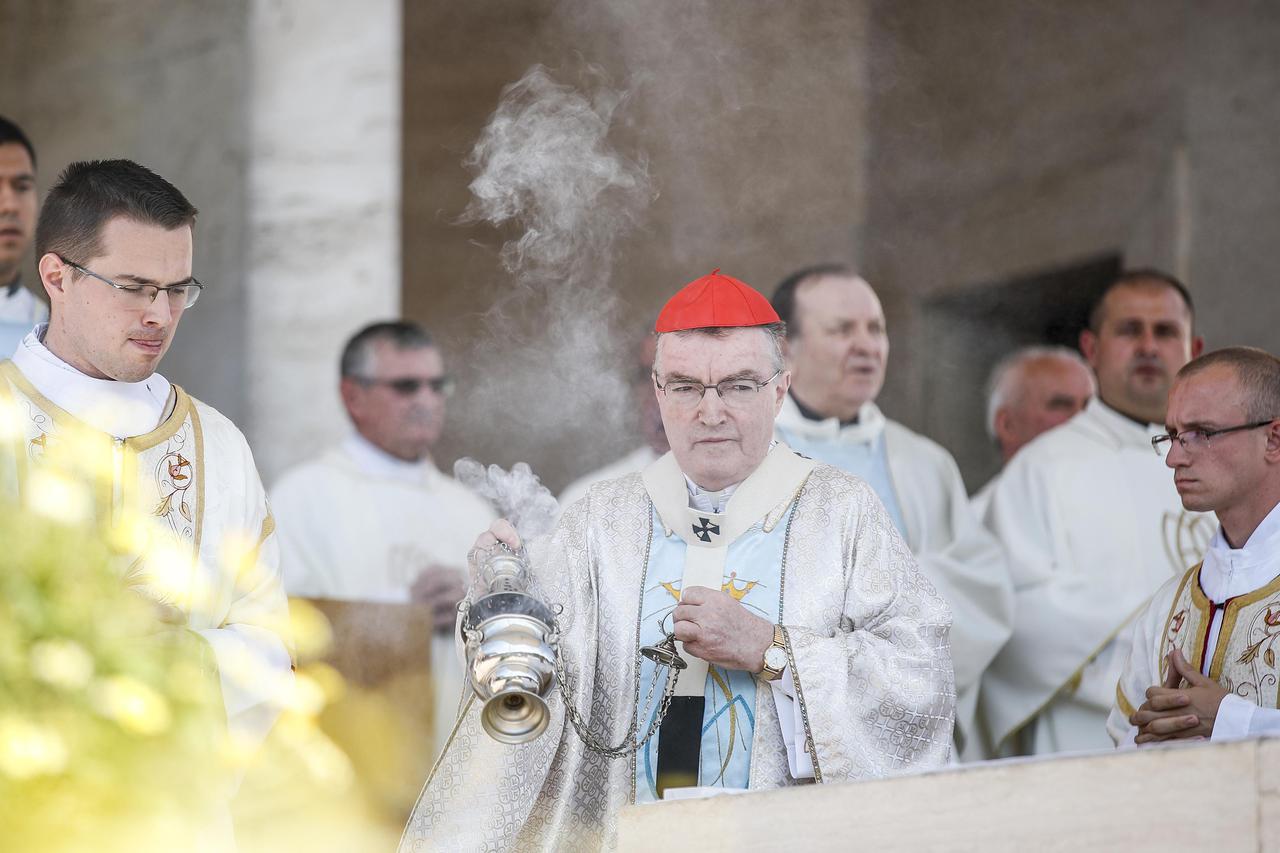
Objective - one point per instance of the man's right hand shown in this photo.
(486, 543)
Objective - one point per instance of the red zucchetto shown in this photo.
(715, 300)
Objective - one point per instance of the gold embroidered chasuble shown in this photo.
(867, 636)
(1243, 661)
(193, 476)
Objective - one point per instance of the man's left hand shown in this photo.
(440, 588)
(714, 626)
(1177, 713)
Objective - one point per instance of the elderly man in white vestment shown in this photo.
(1093, 526)
(817, 651)
(838, 346)
(374, 519)
(1203, 663)
(1031, 391)
(115, 256)
(649, 419)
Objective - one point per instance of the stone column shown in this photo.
(323, 206)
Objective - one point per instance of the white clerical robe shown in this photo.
(357, 524)
(191, 463)
(1093, 527)
(866, 640)
(636, 460)
(951, 546)
(1225, 617)
(19, 305)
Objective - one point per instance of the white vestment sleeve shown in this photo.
(1238, 717)
(255, 666)
(799, 762)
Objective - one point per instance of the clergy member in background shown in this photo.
(1031, 391)
(650, 428)
(18, 306)
(1203, 663)
(816, 651)
(374, 519)
(115, 256)
(838, 347)
(1093, 526)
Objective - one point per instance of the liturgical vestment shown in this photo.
(869, 668)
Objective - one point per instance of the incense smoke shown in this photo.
(548, 369)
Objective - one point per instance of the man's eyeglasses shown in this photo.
(410, 385)
(180, 296)
(1194, 440)
(734, 392)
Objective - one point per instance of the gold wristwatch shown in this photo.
(775, 657)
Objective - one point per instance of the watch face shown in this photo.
(775, 658)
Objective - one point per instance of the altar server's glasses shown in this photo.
(1194, 440)
(734, 392)
(410, 385)
(182, 295)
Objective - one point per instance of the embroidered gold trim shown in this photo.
(198, 467)
(1123, 703)
(1229, 617)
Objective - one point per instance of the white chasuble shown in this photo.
(1093, 526)
(867, 647)
(193, 475)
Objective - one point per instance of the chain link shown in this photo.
(629, 744)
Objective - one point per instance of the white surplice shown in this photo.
(19, 305)
(951, 546)
(1225, 617)
(637, 460)
(866, 638)
(358, 524)
(1093, 527)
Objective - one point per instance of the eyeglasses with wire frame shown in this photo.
(737, 391)
(1194, 440)
(180, 296)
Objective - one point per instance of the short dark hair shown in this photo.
(1137, 278)
(401, 334)
(90, 193)
(784, 295)
(1257, 371)
(11, 134)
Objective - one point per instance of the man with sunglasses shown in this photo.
(374, 519)
(815, 650)
(114, 243)
(1203, 663)
(1092, 526)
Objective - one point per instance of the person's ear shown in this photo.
(1272, 451)
(53, 275)
(1197, 346)
(1089, 347)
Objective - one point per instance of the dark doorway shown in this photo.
(969, 332)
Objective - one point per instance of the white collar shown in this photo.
(1228, 572)
(120, 409)
(868, 427)
(1122, 428)
(701, 499)
(376, 462)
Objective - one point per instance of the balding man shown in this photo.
(1031, 391)
(1092, 527)
(1204, 659)
(838, 347)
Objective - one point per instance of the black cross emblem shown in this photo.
(704, 532)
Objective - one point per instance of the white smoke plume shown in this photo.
(517, 495)
(550, 360)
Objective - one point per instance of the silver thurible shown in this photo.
(510, 650)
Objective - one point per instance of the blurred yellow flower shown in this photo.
(59, 497)
(62, 663)
(29, 749)
(132, 704)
